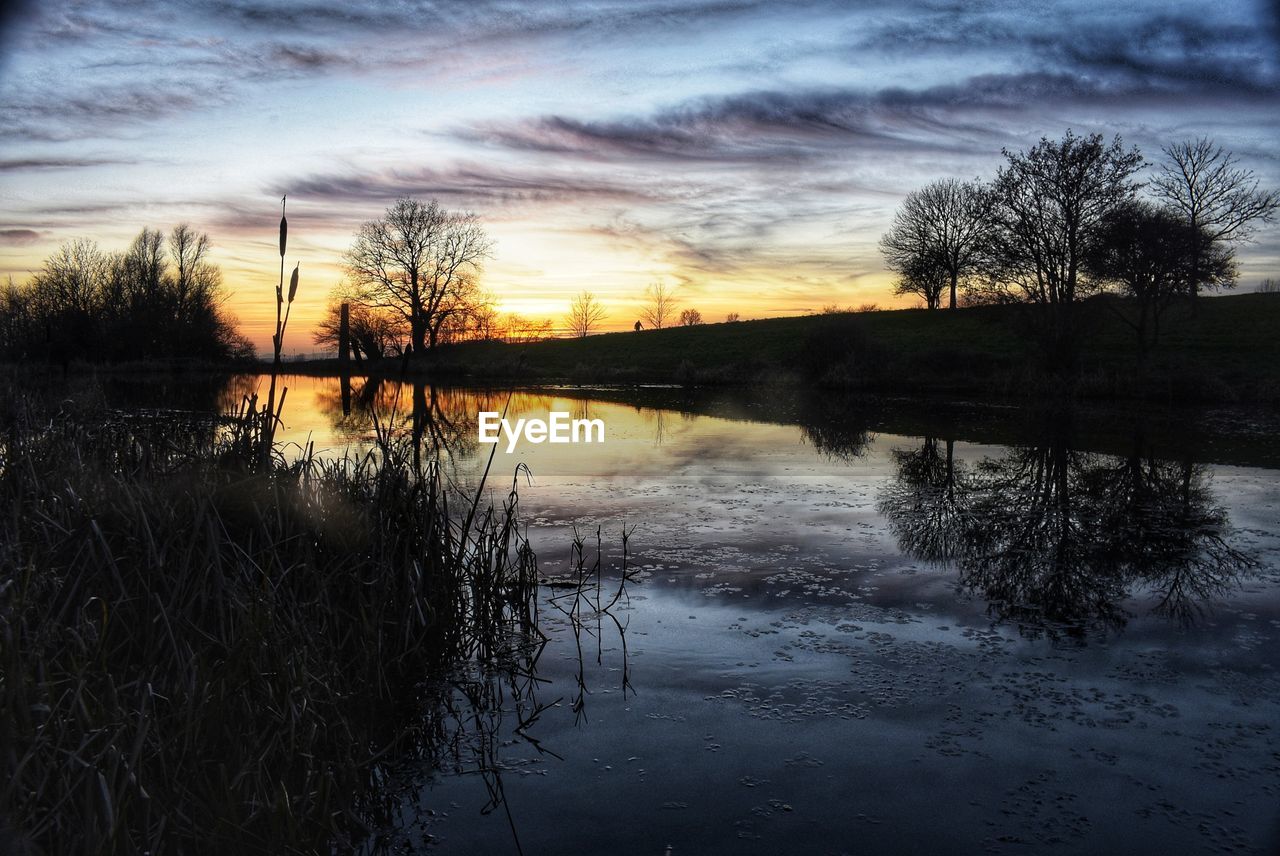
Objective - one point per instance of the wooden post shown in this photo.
(344, 335)
(344, 356)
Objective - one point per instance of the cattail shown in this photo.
(284, 227)
(293, 282)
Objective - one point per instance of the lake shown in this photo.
(854, 626)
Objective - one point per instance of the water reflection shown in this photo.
(485, 709)
(1056, 538)
(776, 536)
(439, 423)
(835, 427)
(923, 505)
(1047, 532)
(442, 422)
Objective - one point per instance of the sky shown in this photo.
(750, 154)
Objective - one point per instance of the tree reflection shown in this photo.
(834, 428)
(440, 422)
(1050, 534)
(928, 505)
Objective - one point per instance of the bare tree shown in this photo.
(923, 277)
(15, 320)
(375, 333)
(585, 314)
(938, 232)
(195, 279)
(732, 317)
(518, 330)
(144, 265)
(484, 318)
(72, 279)
(455, 319)
(1049, 203)
(690, 317)
(1144, 251)
(660, 305)
(420, 261)
(1270, 285)
(1214, 195)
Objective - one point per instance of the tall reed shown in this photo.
(205, 647)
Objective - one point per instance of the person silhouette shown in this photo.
(639, 326)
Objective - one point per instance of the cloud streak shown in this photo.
(49, 163)
(470, 185)
(19, 237)
(798, 126)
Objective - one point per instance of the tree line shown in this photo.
(160, 298)
(1069, 219)
(1064, 221)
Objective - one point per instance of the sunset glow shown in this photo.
(750, 153)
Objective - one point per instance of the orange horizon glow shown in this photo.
(519, 288)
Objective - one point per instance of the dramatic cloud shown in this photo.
(477, 20)
(803, 125)
(50, 113)
(19, 237)
(1174, 55)
(749, 149)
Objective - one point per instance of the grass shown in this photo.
(203, 653)
(1219, 349)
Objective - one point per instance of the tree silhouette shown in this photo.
(585, 314)
(421, 262)
(923, 277)
(659, 305)
(1147, 252)
(160, 298)
(1049, 203)
(375, 333)
(937, 238)
(1215, 197)
(925, 502)
(73, 279)
(835, 427)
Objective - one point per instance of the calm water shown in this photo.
(862, 627)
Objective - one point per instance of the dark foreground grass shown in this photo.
(1217, 349)
(203, 654)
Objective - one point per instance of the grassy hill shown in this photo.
(1219, 349)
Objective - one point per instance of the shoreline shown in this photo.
(1221, 350)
